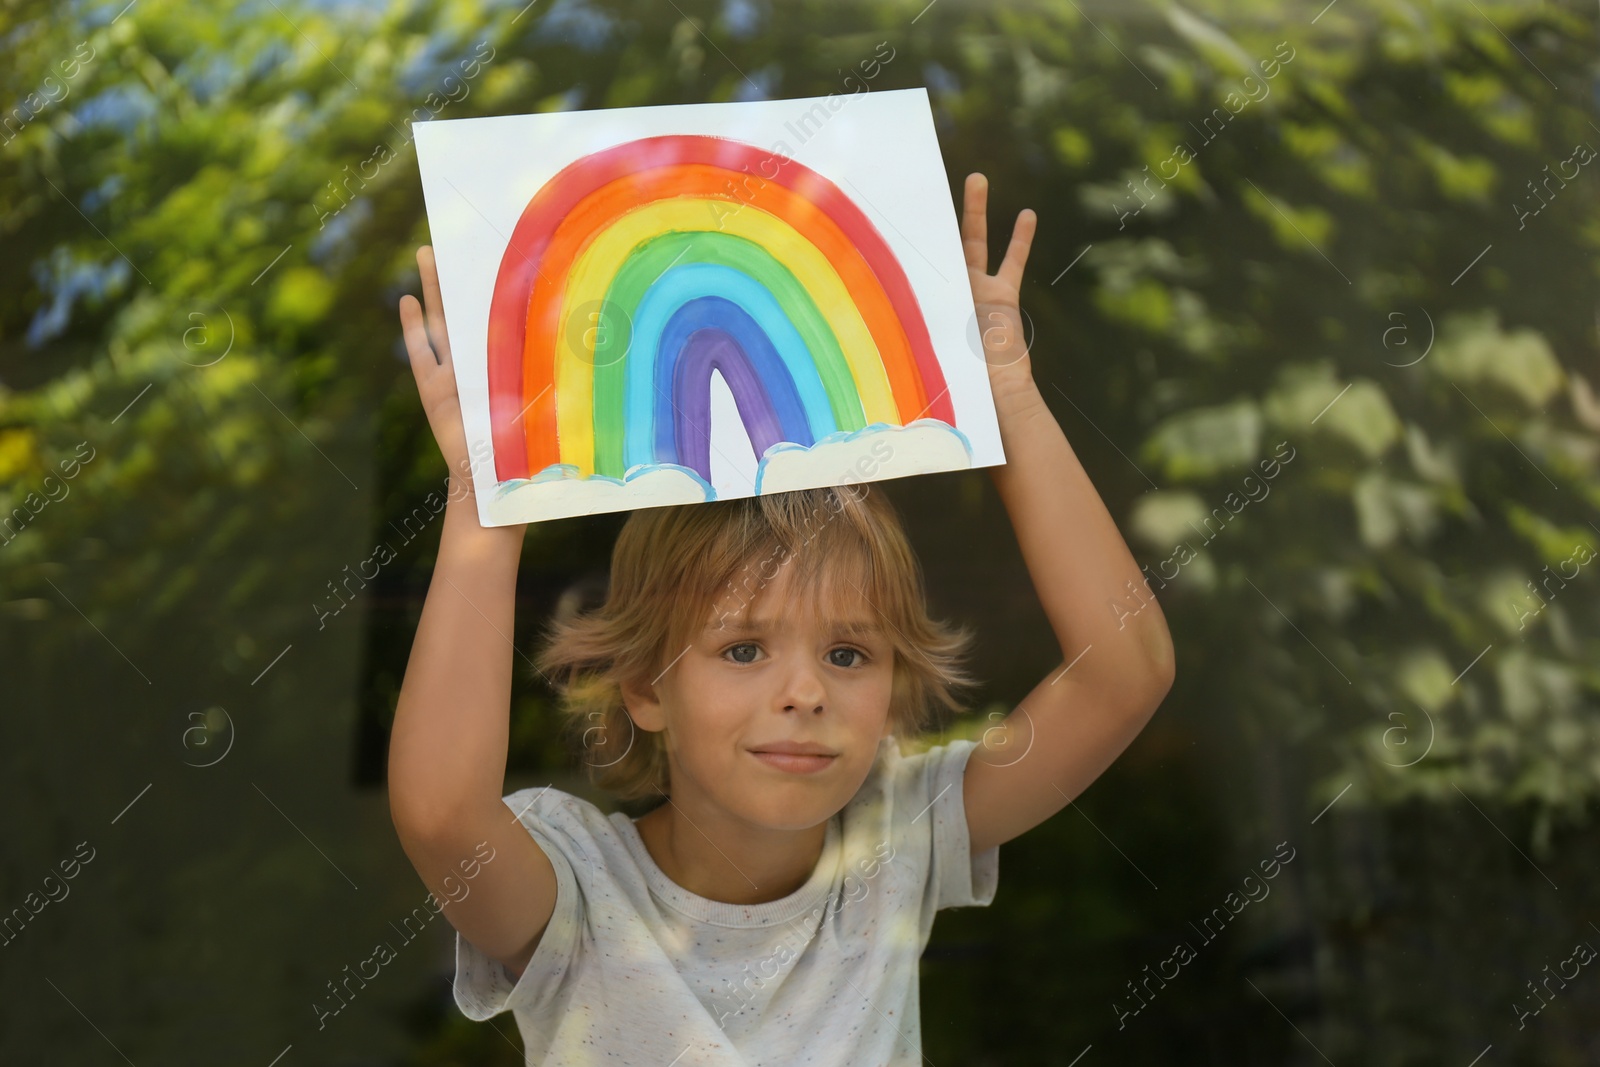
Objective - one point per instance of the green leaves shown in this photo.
(1205, 442)
(1473, 350)
(301, 297)
(1309, 398)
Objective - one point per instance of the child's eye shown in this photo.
(852, 651)
(733, 651)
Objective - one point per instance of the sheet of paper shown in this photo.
(674, 304)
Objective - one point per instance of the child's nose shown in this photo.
(803, 689)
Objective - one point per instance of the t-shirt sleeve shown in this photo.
(928, 788)
(483, 987)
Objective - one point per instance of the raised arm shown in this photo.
(447, 752)
(1116, 665)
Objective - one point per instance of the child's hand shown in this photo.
(429, 347)
(995, 296)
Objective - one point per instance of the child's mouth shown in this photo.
(794, 763)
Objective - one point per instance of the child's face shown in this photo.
(762, 675)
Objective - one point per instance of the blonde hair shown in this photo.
(673, 566)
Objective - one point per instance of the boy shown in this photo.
(771, 910)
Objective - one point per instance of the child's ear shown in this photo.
(644, 706)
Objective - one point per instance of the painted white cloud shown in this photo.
(559, 493)
(879, 451)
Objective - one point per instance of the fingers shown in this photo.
(434, 302)
(436, 386)
(975, 234)
(428, 347)
(423, 357)
(1010, 270)
(975, 223)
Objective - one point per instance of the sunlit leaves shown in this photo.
(301, 297)
(1339, 163)
(1473, 350)
(17, 459)
(1489, 101)
(1388, 507)
(1205, 442)
(1303, 229)
(1318, 271)
(1465, 178)
(1163, 517)
(1309, 396)
(1072, 145)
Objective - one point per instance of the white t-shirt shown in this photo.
(635, 969)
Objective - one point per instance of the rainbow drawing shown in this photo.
(638, 271)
